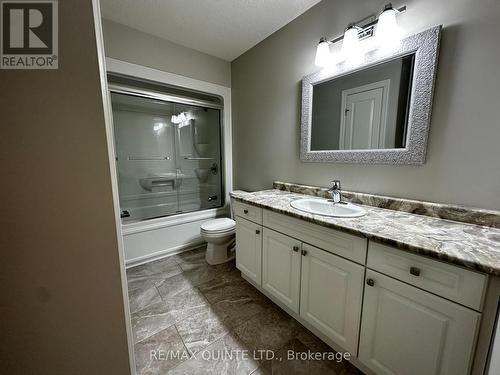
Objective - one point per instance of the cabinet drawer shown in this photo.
(451, 282)
(248, 212)
(334, 241)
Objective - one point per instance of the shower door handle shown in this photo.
(214, 168)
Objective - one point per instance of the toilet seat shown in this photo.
(218, 226)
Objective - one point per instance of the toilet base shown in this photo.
(218, 254)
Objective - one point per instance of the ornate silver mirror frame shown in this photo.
(425, 46)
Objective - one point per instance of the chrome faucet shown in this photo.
(336, 192)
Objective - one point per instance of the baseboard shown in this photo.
(163, 253)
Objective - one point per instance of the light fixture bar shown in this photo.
(366, 26)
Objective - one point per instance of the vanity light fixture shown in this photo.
(388, 35)
(322, 53)
(351, 50)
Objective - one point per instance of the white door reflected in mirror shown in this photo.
(363, 110)
(363, 122)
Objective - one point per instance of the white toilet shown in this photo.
(219, 234)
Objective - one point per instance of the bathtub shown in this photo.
(153, 239)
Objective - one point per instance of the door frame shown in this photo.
(122, 67)
(108, 121)
(385, 84)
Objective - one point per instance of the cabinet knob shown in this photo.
(257, 231)
(304, 252)
(295, 248)
(370, 282)
(415, 271)
(245, 211)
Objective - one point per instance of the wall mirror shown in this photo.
(375, 111)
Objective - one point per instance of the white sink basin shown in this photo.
(327, 208)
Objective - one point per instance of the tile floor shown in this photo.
(192, 318)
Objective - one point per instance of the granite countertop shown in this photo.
(469, 245)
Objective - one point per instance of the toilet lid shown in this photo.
(218, 225)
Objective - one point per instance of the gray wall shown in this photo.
(62, 308)
(463, 159)
(127, 44)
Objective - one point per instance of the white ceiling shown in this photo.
(222, 28)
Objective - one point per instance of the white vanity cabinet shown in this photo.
(411, 322)
(331, 295)
(328, 288)
(323, 289)
(407, 331)
(249, 241)
(395, 312)
(281, 267)
(249, 249)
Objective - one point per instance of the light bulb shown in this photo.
(322, 53)
(388, 34)
(351, 50)
(158, 127)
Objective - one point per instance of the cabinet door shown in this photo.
(331, 296)
(281, 268)
(249, 249)
(407, 331)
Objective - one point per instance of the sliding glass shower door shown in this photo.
(168, 154)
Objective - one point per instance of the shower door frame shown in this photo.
(151, 94)
(122, 89)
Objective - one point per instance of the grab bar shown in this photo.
(188, 158)
(134, 158)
